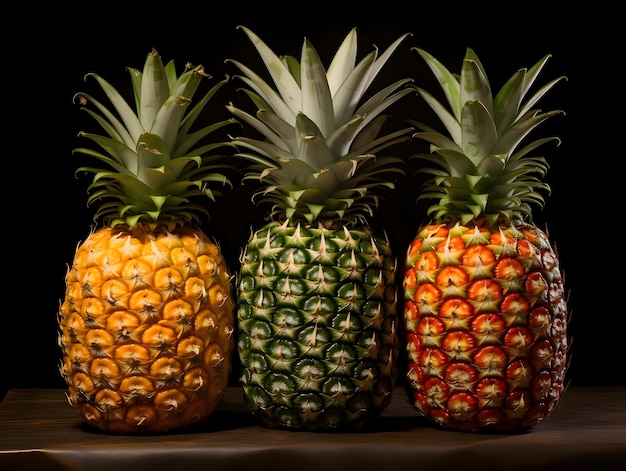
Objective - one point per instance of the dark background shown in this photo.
(52, 48)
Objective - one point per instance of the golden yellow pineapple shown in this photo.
(146, 324)
(485, 308)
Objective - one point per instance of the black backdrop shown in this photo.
(51, 49)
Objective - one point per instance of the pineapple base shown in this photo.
(317, 327)
(146, 329)
(486, 319)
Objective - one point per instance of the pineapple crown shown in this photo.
(155, 165)
(482, 173)
(318, 162)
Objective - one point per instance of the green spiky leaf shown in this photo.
(482, 174)
(154, 163)
(321, 134)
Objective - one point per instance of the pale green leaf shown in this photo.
(285, 83)
(317, 103)
(478, 131)
(449, 84)
(343, 62)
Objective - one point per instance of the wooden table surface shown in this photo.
(39, 430)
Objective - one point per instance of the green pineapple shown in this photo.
(147, 321)
(317, 293)
(485, 309)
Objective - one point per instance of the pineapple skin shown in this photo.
(485, 319)
(146, 328)
(317, 322)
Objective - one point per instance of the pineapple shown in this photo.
(485, 310)
(147, 321)
(317, 294)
